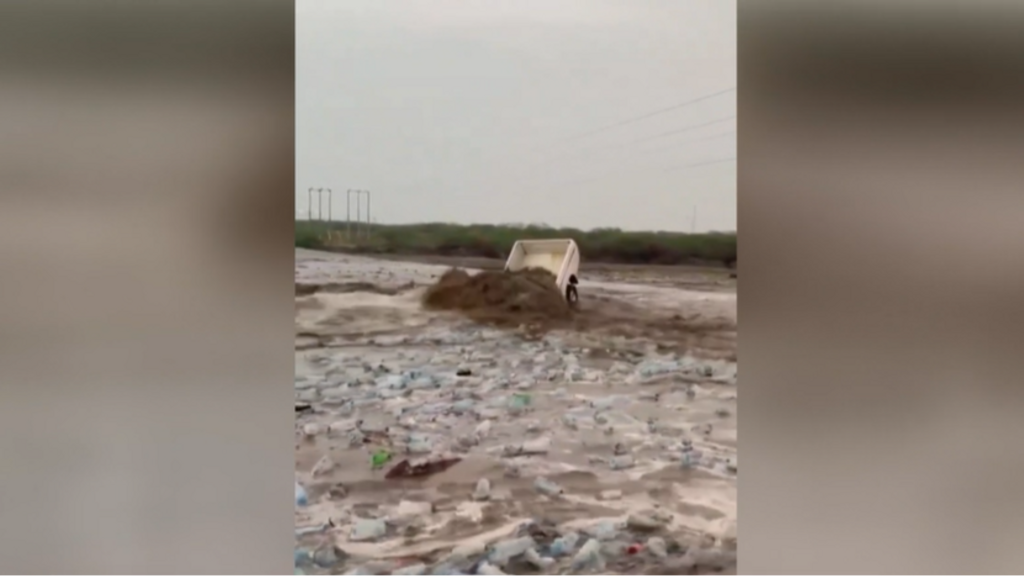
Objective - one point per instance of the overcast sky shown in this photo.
(491, 111)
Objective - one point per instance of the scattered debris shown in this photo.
(379, 459)
(550, 411)
(404, 469)
(483, 490)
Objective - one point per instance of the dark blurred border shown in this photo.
(880, 205)
(146, 326)
(219, 40)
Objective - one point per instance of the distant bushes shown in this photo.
(495, 241)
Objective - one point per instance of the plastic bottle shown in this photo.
(545, 486)
(505, 550)
(564, 545)
(589, 556)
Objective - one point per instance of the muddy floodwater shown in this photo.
(433, 441)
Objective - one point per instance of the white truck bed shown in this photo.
(561, 257)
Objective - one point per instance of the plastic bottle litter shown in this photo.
(380, 458)
(392, 381)
(536, 446)
(570, 422)
(545, 486)
(411, 570)
(488, 569)
(301, 498)
(656, 545)
(655, 368)
(605, 530)
(646, 521)
(520, 401)
(690, 458)
(565, 544)
(483, 489)
(367, 529)
(305, 530)
(622, 462)
(589, 556)
(323, 466)
(326, 557)
(482, 429)
(534, 558)
(446, 570)
(506, 550)
(419, 445)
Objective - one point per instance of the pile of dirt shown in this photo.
(527, 297)
(309, 289)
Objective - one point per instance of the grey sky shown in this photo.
(477, 111)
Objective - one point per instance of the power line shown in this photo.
(580, 153)
(633, 170)
(681, 130)
(705, 163)
(651, 114)
(684, 142)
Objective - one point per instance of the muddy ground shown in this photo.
(627, 408)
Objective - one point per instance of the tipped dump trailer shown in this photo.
(561, 257)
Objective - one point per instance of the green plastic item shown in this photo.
(380, 458)
(521, 400)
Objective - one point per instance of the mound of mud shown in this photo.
(309, 289)
(502, 298)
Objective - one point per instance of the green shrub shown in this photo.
(495, 241)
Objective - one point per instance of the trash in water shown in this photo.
(483, 490)
(365, 529)
(520, 401)
(404, 469)
(505, 550)
(380, 458)
(301, 499)
(589, 556)
(545, 486)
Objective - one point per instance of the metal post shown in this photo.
(330, 205)
(348, 213)
(368, 222)
(359, 211)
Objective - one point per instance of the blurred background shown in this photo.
(881, 301)
(145, 218)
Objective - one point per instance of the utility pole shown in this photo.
(359, 227)
(359, 211)
(348, 213)
(330, 205)
(309, 206)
